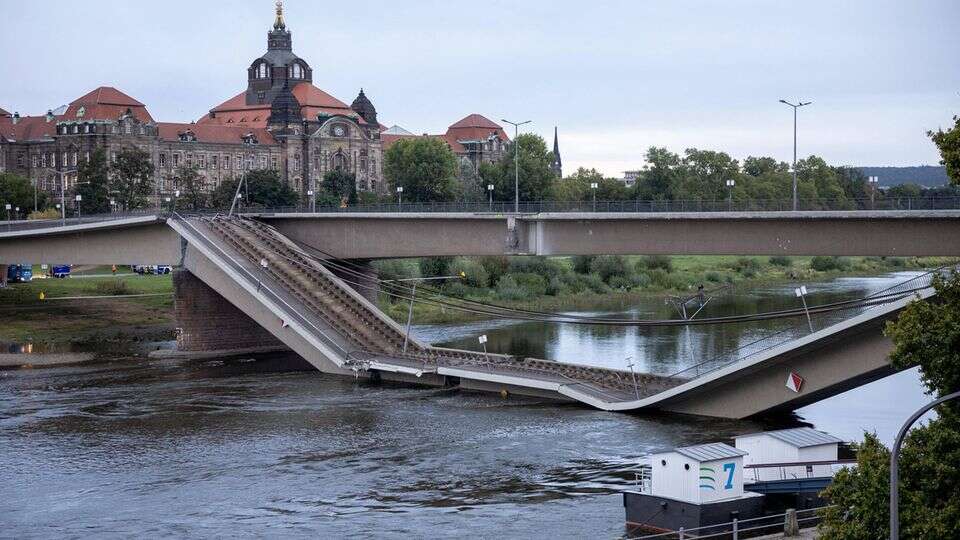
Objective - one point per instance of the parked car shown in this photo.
(19, 273)
(60, 271)
(161, 270)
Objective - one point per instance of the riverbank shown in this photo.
(88, 310)
(614, 283)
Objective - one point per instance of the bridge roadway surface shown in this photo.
(334, 328)
(145, 239)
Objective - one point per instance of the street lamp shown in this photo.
(730, 184)
(490, 191)
(78, 198)
(801, 292)
(516, 153)
(313, 200)
(633, 374)
(795, 107)
(399, 198)
(113, 205)
(593, 188)
(483, 341)
(873, 181)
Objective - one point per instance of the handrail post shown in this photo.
(736, 529)
(680, 535)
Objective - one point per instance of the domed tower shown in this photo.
(365, 109)
(279, 67)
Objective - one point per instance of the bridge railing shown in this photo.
(781, 337)
(534, 207)
(636, 206)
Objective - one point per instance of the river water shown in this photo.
(137, 447)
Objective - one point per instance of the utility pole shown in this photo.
(516, 153)
(795, 107)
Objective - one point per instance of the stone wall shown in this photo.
(206, 321)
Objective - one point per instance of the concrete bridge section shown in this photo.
(146, 240)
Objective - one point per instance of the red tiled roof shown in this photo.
(28, 128)
(475, 121)
(3, 113)
(213, 133)
(312, 102)
(386, 141)
(472, 128)
(106, 103)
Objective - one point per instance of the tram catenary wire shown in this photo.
(483, 308)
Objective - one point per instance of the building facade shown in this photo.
(280, 122)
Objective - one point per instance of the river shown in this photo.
(149, 448)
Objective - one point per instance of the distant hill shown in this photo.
(924, 175)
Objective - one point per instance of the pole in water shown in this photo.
(802, 294)
(406, 335)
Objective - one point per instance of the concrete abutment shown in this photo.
(206, 321)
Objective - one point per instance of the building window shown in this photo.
(43, 160)
(273, 163)
(163, 160)
(63, 158)
(250, 163)
(73, 159)
(239, 162)
(86, 156)
(176, 160)
(296, 162)
(213, 161)
(189, 160)
(363, 165)
(296, 71)
(262, 70)
(201, 161)
(127, 128)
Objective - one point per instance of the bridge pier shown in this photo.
(206, 321)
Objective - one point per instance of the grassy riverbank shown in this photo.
(98, 312)
(612, 283)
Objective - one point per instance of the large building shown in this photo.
(281, 121)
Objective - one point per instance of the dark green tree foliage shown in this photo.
(131, 178)
(425, 168)
(576, 187)
(948, 142)
(17, 191)
(536, 178)
(93, 183)
(190, 184)
(435, 266)
(926, 334)
(340, 186)
(263, 189)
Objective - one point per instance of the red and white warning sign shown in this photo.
(794, 382)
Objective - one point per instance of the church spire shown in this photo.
(279, 24)
(557, 165)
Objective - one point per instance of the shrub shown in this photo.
(581, 263)
(476, 274)
(395, 269)
(714, 277)
(780, 260)
(534, 284)
(496, 266)
(509, 289)
(749, 273)
(747, 264)
(610, 266)
(622, 283)
(114, 287)
(654, 262)
(827, 264)
(50, 213)
(535, 265)
(435, 266)
(455, 288)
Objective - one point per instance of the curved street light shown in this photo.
(795, 107)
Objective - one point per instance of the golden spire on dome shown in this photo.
(279, 24)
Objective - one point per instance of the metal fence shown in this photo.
(637, 206)
(744, 528)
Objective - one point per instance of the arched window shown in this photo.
(262, 70)
(296, 71)
(339, 161)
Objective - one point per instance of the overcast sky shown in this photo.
(615, 76)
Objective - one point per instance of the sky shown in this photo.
(615, 77)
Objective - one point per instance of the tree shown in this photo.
(16, 191)
(93, 183)
(338, 187)
(659, 180)
(536, 177)
(190, 184)
(261, 188)
(576, 187)
(424, 167)
(131, 178)
(948, 142)
(926, 334)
